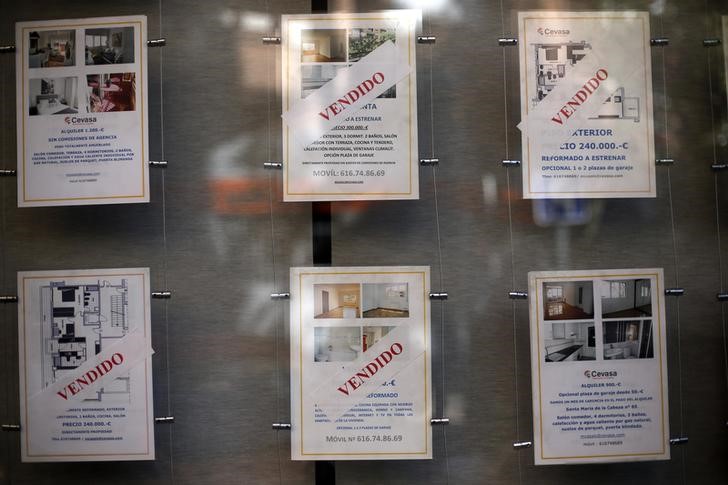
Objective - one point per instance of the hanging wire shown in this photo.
(675, 252)
(511, 246)
(270, 66)
(428, 23)
(165, 257)
(717, 197)
(3, 266)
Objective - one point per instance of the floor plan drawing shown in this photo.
(81, 320)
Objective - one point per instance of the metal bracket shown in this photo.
(271, 40)
(282, 426)
(8, 173)
(429, 161)
(659, 41)
(162, 295)
(518, 295)
(158, 163)
(435, 421)
(280, 296)
(722, 296)
(674, 291)
(506, 41)
(157, 42)
(511, 163)
(664, 161)
(679, 441)
(711, 42)
(438, 296)
(519, 445)
(8, 298)
(10, 427)
(719, 166)
(164, 419)
(426, 39)
(273, 165)
(7, 49)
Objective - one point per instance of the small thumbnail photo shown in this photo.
(53, 96)
(336, 344)
(111, 92)
(109, 46)
(336, 301)
(626, 298)
(323, 45)
(385, 300)
(52, 48)
(568, 300)
(628, 339)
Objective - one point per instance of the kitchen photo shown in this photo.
(109, 46)
(53, 96)
(111, 92)
(569, 341)
(626, 298)
(568, 300)
(339, 300)
(385, 300)
(336, 344)
(628, 339)
(52, 48)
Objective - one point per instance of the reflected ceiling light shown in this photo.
(427, 5)
(255, 21)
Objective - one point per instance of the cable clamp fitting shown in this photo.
(164, 419)
(158, 163)
(711, 42)
(437, 421)
(162, 295)
(8, 298)
(518, 295)
(157, 42)
(281, 426)
(426, 39)
(429, 161)
(273, 165)
(722, 296)
(280, 296)
(8, 173)
(519, 445)
(507, 41)
(7, 49)
(659, 42)
(679, 441)
(442, 295)
(664, 161)
(719, 166)
(10, 427)
(271, 40)
(511, 163)
(674, 291)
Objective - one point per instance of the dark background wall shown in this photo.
(217, 234)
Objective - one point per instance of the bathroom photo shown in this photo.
(53, 96)
(373, 334)
(337, 301)
(626, 298)
(109, 46)
(568, 300)
(323, 45)
(628, 339)
(336, 344)
(52, 48)
(385, 300)
(569, 341)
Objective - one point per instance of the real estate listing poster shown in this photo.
(350, 106)
(82, 111)
(360, 363)
(598, 364)
(85, 365)
(586, 104)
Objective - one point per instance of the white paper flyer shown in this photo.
(350, 106)
(586, 105)
(82, 111)
(598, 366)
(360, 363)
(85, 365)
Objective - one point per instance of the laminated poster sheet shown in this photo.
(360, 363)
(586, 104)
(82, 111)
(350, 106)
(598, 364)
(85, 365)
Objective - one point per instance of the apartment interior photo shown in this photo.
(626, 298)
(109, 46)
(630, 339)
(336, 301)
(568, 341)
(337, 344)
(568, 300)
(52, 48)
(53, 96)
(323, 45)
(111, 92)
(385, 300)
